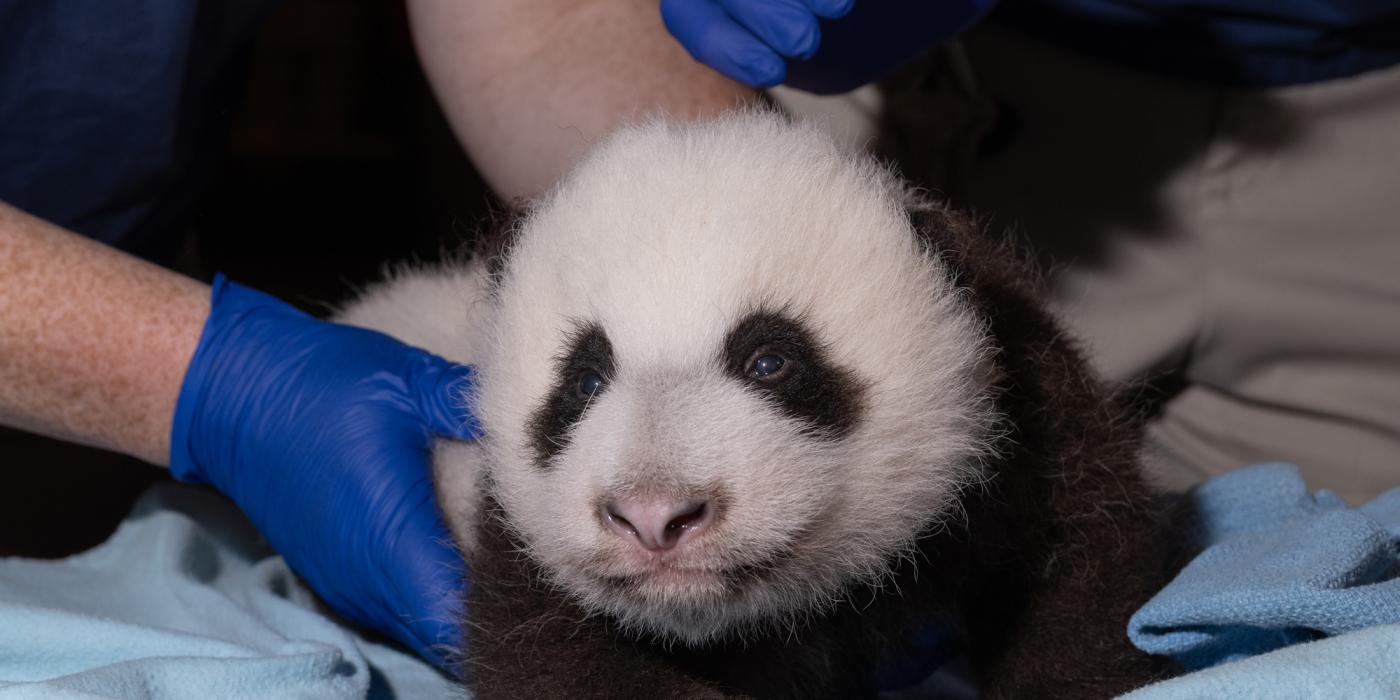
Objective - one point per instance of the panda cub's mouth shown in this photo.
(662, 577)
(666, 578)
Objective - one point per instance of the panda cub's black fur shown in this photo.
(755, 413)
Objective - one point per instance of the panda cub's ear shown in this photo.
(999, 273)
(942, 233)
(494, 237)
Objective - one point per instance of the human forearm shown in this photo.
(529, 85)
(93, 343)
(320, 432)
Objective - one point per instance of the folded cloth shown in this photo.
(185, 600)
(1279, 566)
(1357, 666)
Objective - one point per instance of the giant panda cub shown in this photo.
(755, 414)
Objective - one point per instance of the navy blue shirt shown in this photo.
(1254, 43)
(1251, 43)
(113, 112)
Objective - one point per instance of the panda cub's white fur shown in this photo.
(670, 251)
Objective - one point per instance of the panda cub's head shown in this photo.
(725, 382)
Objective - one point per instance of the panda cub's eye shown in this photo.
(589, 383)
(768, 365)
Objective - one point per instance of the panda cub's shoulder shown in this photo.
(443, 309)
(440, 308)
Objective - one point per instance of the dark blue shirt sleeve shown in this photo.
(1255, 43)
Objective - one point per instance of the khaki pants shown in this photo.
(1248, 239)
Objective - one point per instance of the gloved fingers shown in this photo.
(433, 632)
(830, 9)
(442, 391)
(786, 26)
(425, 579)
(714, 38)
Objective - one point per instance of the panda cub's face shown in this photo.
(724, 382)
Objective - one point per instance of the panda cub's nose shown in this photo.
(658, 524)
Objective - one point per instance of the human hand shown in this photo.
(767, 42)
(321, 434)
(748, 40)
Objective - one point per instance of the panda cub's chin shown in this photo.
(692, 608)
(695, 604)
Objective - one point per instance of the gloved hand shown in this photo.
(321, 433)
(747, 39)
(766, 42)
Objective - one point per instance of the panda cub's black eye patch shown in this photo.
(781, 358)
(581, 374)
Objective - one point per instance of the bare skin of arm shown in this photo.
(529, 85)
(93, 342)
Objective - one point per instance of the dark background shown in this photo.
(338, 163)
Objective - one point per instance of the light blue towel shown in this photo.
(1280, 566)
(185, 601)
(1362, 665)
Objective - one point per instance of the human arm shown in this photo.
(319, 432)
(529, 85)
(93, 342)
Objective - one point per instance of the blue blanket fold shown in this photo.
(185, 601)
(1280, 566)
(1355, 666)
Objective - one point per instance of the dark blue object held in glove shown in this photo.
(822, 46)
(321, 433)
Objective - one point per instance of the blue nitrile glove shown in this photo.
(766, 42)
(320, 432)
